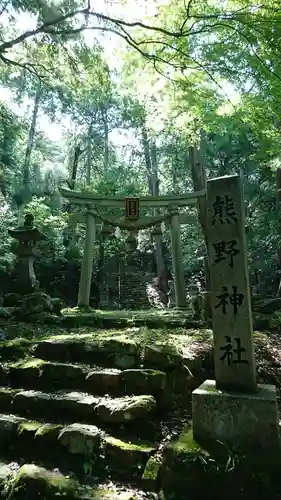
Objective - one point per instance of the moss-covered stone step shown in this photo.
(126, 351)
(72, 446)
(40, 374)
(83, 407)
(31, 481)
(116, 352)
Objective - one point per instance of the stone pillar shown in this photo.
(87, 263)
(233, 408)
(177, 258)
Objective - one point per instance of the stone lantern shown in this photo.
(27, 236)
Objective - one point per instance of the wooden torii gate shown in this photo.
(131, 222)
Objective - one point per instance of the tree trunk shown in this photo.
(30, 140)
(28, 151)
(89, 154)
(106, 137)
(200, 182)
(74, 168)
(161, 268)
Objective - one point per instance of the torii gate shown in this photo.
(130, 222)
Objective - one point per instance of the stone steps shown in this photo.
(35, 373)
(76, 447)
(32, 481)
(82, 407)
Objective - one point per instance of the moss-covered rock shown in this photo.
(28, 428)
(47, 437)
(123, 410)
(66, 405)
(162, 356)
(62, 375)
(81, 439)
(8, 428)
(32, 482)
(143, 381)
(151, 473)
(26, 372)
(104, 381)
(124, 455)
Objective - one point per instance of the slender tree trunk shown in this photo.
(200, 182)
(74, 167)
(30, 140)
(89, 154)
(158, 236)
(106, 137)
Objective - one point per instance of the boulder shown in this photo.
(35, 303)
(127, 409)
(126, 455)
(6, 312)
(103, 381)
(268, 306)
(33, 482)
(11, 299)
(81, 439)
(144, 381)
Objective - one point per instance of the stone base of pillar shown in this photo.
(240, 420)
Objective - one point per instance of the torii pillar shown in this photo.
(87, 263)
(177, 258)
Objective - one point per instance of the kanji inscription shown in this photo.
(231, 300)
(233, 354)
(231, 305)
(226, 250)
(223, 210)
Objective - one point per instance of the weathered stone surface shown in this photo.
(32, 481)
(162, 356)
(6, 398)
(268, 306)
(122, 410)
(231, 309)
(81, 439)
(11, 299)
(47, 436)
(151, 474)
(6, 312)
(8, 428)
(237, 419)
(144, 381)
(62, 375)
(25, 371)
(104, 381)
(60, 350)
(126, 454)
(69, 405)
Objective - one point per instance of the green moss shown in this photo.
(151, 472)
(50, 430)
(32, 482)
(186, 443)
(28, 363)
(128, 446)
(31, 427)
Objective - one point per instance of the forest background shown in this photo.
(110, 95)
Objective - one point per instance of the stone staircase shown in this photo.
(81, 415)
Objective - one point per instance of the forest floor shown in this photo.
(128, 392)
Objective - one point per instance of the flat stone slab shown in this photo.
(235, 418)
(79, 406)
(80, 439)
(127, 409)
(69, 405)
